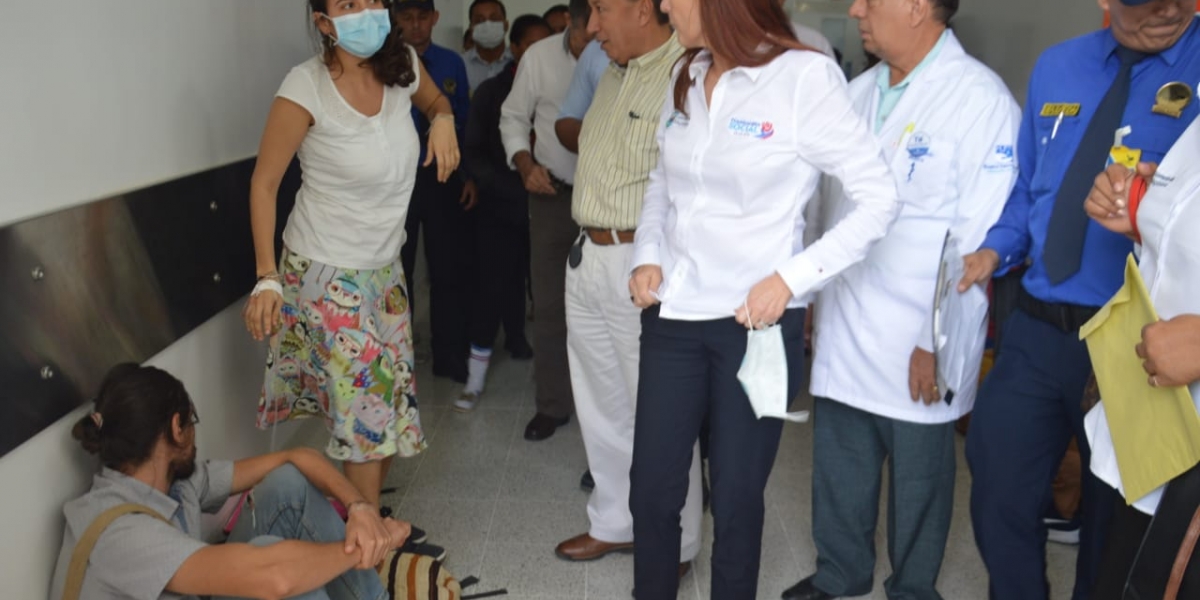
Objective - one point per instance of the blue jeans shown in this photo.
(285, 506)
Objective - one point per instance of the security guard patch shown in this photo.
(449, 86)
(1054, 109)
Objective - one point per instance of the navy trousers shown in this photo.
(688, 371)
(1025, 415)
(450, 258)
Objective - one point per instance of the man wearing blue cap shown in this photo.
(441, 209)
(1112, 95)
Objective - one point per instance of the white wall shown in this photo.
(1007, 36)
(103, 97)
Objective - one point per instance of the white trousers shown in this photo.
(603, 346)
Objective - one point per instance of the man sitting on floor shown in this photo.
(289, 542)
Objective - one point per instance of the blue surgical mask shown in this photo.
(363, 33)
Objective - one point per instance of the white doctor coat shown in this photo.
(1168, 218)
(950, 143)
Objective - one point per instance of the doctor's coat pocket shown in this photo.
(924, 180)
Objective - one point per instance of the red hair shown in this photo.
(751, 33)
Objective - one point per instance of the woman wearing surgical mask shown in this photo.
(756, 118)
(334, 304)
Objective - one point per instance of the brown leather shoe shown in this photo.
(585, 547)
(542, 426)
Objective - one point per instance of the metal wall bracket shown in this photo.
(118, 280)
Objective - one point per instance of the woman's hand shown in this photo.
(1170, 351)
(443, 146)
(365, 530)
(643, 285)
(765, 303)
(263, 314)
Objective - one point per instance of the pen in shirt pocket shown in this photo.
(904, 136)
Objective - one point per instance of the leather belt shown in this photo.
(560, 184)
(609, 237)
(1068, 318)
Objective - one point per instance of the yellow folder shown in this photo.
(1155, 430)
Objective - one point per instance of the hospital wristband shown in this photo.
(267, 284)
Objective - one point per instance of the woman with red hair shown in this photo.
(755, 119)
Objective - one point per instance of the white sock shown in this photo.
(477, 368)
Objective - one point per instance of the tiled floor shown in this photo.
(500, 504)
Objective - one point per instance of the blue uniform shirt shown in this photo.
(592, 63)
(446, 69)
(1072, 76)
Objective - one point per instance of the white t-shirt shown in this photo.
(358, 172)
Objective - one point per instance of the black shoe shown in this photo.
(519, 349)
(417, 535)
(542, 426)
(586, 482)
(805, 590)
(437, 553)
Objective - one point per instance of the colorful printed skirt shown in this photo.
(345, 353)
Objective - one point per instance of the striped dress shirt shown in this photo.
(617, 145)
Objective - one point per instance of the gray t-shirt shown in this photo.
(137, 555)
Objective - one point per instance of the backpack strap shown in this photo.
(83, 548)
(1185, 555)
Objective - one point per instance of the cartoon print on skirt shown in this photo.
(344, 353)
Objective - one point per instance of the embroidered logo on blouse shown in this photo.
(758, 129)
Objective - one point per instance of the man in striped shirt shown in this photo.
(617, 151)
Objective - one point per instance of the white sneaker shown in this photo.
(467, 401)
(1061, 531)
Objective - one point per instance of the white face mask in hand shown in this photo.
(764, 374)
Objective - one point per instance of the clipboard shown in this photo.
(959, 323)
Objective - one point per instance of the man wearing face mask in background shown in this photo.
(489, 25)
(441, 209)
(1090, 98)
